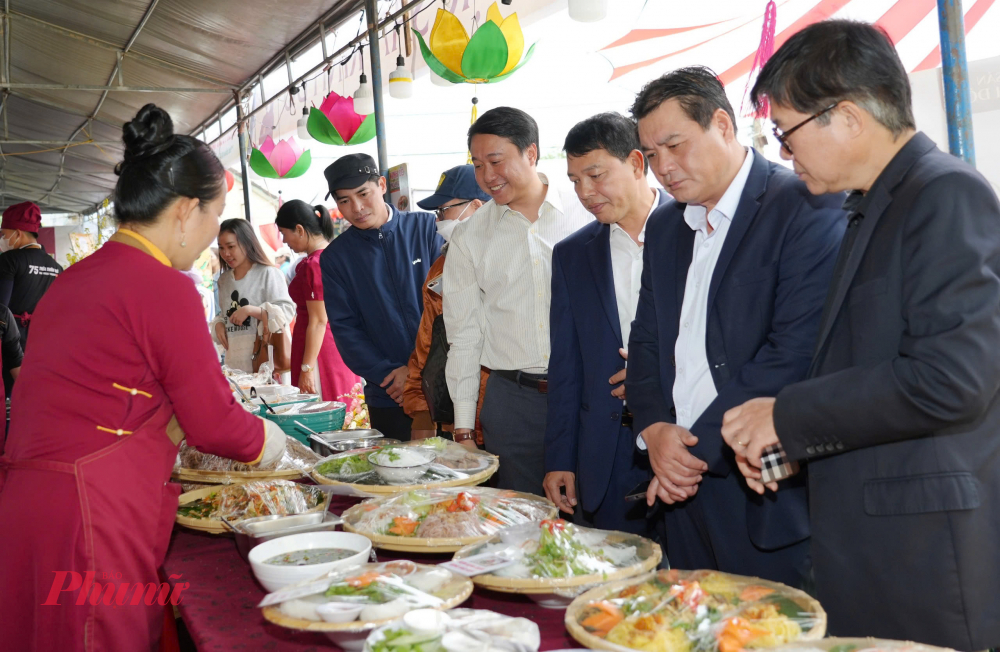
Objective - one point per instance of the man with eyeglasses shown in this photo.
(735, 270)
(457, 197)
(899, 419)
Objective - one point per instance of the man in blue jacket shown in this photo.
(589, 445)
(373, 275)
(735, 272)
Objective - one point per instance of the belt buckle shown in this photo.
(543, 386)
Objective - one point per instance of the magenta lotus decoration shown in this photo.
(336, 122)
(285, 160)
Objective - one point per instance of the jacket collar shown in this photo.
(385, 229)
(870, 208)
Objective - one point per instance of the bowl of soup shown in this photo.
(280, 562)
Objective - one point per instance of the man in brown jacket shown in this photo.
(457, 197)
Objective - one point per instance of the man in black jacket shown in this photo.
(900, 418)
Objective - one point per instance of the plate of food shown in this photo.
(205, 509)
(694, 611)
(347, 604)
(421, 464)
(458, 630)
(443, 520)
(554, 561)
(194, 466)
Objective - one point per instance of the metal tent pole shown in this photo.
(371, 13)
(957, 100)
(244, 177)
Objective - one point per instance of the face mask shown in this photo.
(4, 245)
(446, 227)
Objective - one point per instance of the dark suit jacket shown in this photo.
(584, 419)
(764, 305)
(901, 423)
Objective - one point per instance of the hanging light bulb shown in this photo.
(364, 101)
(438, 80)
(588, 11)
(364, 98)
(400, 81)
(302, 125)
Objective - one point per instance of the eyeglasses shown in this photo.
(782, 136)
(441, 211)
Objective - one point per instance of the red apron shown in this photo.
(110, 513)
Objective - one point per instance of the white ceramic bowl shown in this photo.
(402, 474)
(274, 577)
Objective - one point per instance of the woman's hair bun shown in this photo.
(150, 132)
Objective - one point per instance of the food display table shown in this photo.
(220, 610)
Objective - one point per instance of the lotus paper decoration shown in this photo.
(336, 122)
(492, 54)
(286, 160)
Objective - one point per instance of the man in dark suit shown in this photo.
(734, 274)
(589, 445)
(900, 419)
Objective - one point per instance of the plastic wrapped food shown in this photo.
(369, 593)
(458, 630)
(556, 549)
(258, 498)
(835, 644)
(452, 513)
(697, 611)
(296, 457)
(441, 461)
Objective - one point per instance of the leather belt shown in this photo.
(538, 382)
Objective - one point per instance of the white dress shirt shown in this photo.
(497, 288)
(626, 268)
(694, 389)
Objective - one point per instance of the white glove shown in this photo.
(274, 444)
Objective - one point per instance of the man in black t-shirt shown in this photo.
(26, 270)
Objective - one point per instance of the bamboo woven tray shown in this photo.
(859, 644)
(648, 552)
(807, 603)
(233, 477)
(211, 525)
(454, 593)
(381, 489)
(414, 544)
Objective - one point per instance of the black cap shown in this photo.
(349, 172)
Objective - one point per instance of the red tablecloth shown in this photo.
(220, 605)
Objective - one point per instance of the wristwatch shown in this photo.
(458, 438)
(306, 368)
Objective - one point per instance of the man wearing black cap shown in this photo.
(373, 275)
(457, 197)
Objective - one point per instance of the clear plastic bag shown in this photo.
(700, 611)
(458, 630)
(453, 513)
(447, 461)
(258, 498)
(296, 457)
(378, 592)
(556, 549)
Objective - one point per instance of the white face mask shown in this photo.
(446, 227)
(4, 245)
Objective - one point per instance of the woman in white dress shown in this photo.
(248, 287)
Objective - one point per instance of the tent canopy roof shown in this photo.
(51, 48)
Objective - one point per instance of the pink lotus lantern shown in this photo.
(335, 122)
(285, 160)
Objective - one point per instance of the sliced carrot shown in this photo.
(403, 526)
(363, 580)
(753, 593)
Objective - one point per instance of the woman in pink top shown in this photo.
(317, 367)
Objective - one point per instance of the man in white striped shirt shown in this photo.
(497, 288)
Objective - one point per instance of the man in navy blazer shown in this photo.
(735, 272)
(589, 444)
